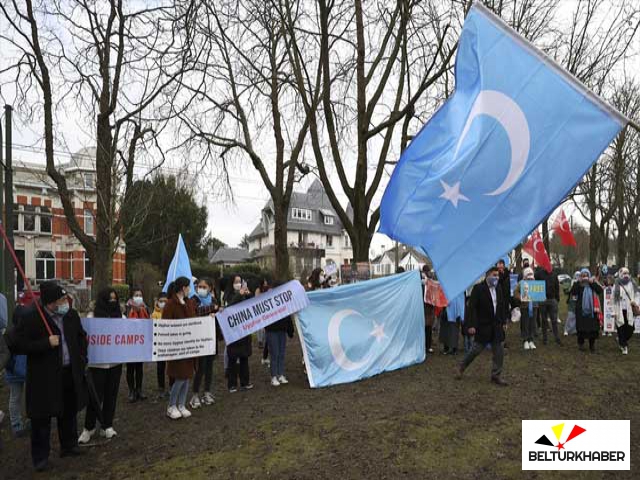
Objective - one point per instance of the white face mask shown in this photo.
(138, 300)
(203, 292)
(237, 286)
(161, 305)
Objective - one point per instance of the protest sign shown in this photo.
(513, 282)
(609, 311)
(434, 295)
(246, 317)
(184, 338)
(330, 269)
(533, 291)
(118, 340)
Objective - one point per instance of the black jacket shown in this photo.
(585, 323)
(44, 394)
(552, 285)
(283, 325)
(504, 283)
(242, 347)
(489, 325)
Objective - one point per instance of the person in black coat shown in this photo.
(488, 314)
(587, 322)
(239, 351)
(548, 311)
(56, 385)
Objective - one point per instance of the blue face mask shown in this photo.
(62, 309)
(492, 281)
(625, 280)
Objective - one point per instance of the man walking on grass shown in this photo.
(489, 311)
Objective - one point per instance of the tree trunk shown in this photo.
(545, 236)
(280, 241)
(103, 256)
(594, 244)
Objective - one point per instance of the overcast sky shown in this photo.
(228, 221)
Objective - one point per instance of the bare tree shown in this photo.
(248, 108)
(117, 68)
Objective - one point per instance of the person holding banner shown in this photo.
(528, 310)
(626, 308)
(239, 351)
(105, 376)
(181, 371)
(56, 359)
(586, 297)
(136, 309)
(206, 304)
(277, 333)
(161, 367)
(488, 313)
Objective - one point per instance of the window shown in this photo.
(328, 220)
(88, 180)
(29, 218)
(45, 266)
(301, 214)
(16, 221)
(19, 280)
(88, 266)
(88, 222)
(346, 241)
(45, 220)
(329, 240)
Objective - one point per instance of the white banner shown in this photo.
(246, 317)
(609, 311)
(185, 338)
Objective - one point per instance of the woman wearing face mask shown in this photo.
(160, 366)
(624, 298)
(587, 323)
(181, 371)
(206, 304)
(528, 310)
(315, 281)
(106, 377)
(570, 324)
(136, 309)
(239, 351)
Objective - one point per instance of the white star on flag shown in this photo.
(378, 332)
(452, 193)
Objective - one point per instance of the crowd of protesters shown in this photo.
(48, 371)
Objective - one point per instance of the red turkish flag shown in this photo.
(562, 228)
(535, 248)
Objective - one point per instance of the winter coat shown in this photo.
(489, 324)
(44, 395)
(283, 325)
(584, 323)
(242, 347)
(184, 368)
(133, 311)
(204, 310)
(624, 295)
(157, 314)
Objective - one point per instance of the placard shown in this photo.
(533, 291)
(609, 311)
(185, 338)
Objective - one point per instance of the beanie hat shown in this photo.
(51, 292)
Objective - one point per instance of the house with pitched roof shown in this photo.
(315, 234)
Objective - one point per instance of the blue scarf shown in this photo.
(587, 301)
(206, 301)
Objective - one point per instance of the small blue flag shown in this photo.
(356, 331)
(504, 150)
(180, 266)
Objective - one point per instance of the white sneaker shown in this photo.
(184, 412)
(195, 402)
(207, 398)
(275, 382)
(109, 433)
(625, 351)
(526, 346)
(265, 361)
(85, 436)
(566, 334)
(173, 413)
(532, 345)
(282, 379)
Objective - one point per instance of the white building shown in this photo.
(409, 259)
(315, 234)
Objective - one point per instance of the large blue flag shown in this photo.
(363, 329)
(180, 266)
(504, 150)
